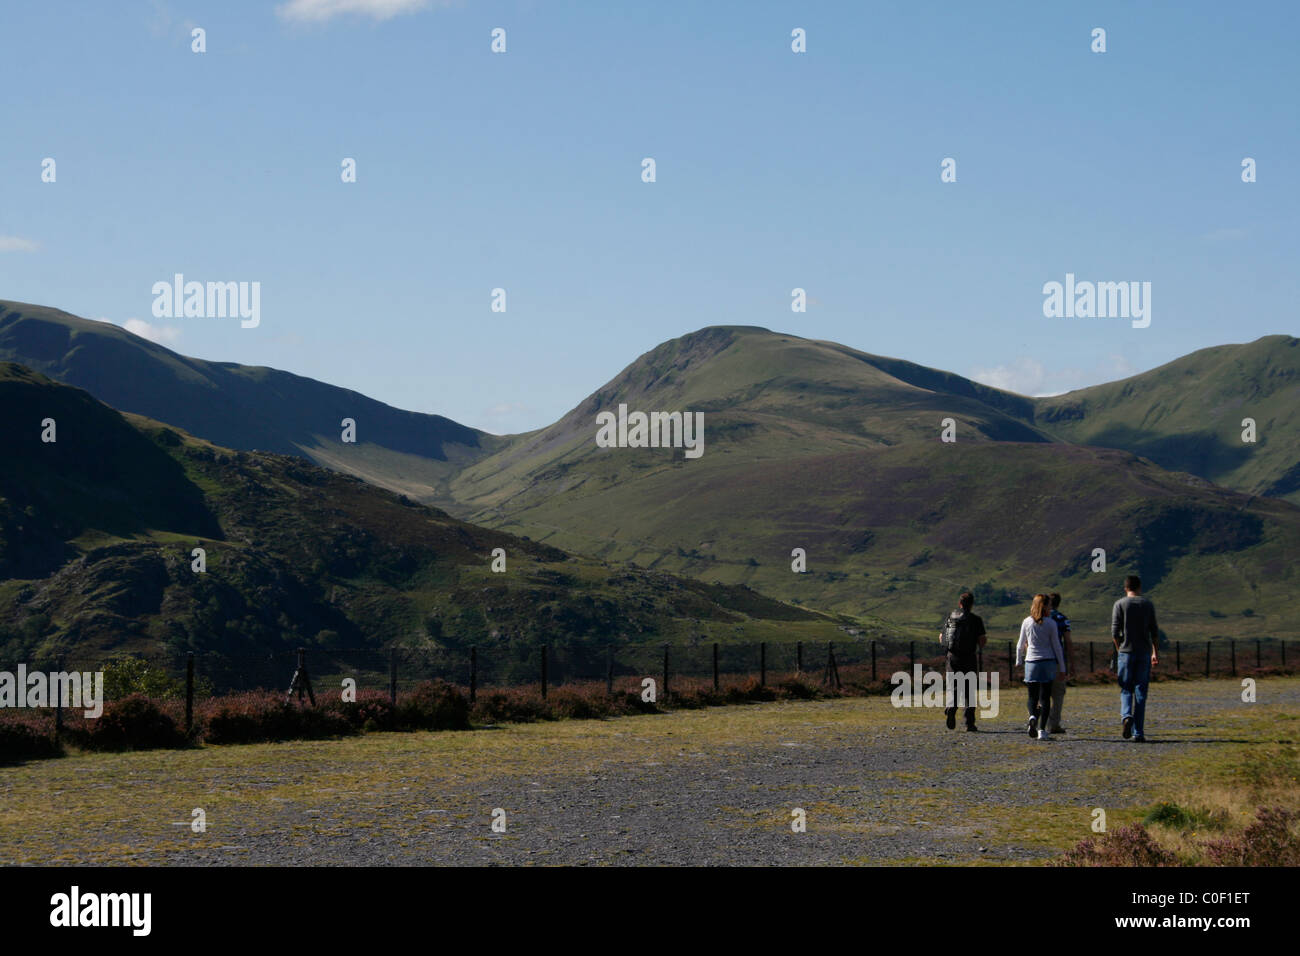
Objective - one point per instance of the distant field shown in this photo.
(879, 785)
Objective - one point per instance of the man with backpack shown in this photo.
(962, 636)
(1058, 685)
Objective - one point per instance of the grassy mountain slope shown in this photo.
(812, 445)
(764, 396)
(240, 406)
(1187, 415)
(96, 532)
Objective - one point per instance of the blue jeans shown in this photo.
(1134, 676)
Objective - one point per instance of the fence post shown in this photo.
(1207, 658)
(189, 693)
(1092, 666)
(798, 658)
(1257, 658)
(873, 659)
(543, 672)
(665, 671)
(1178, 655)
(762, 664)
(392, 676)
(715, 665)
(609, 669)
(1233, 644)
(473, 675)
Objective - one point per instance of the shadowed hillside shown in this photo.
(97, 530)
(240, 406)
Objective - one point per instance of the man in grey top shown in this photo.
(1136, 637)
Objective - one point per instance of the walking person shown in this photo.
(1136, 638)
(962, 635)
(1039, 649)
(1058, 685)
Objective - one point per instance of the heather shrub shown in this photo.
(1269, 841)
(433, 705)
(133, 723)
(27, 737)
(509, 706)
(1126, 846)
(798, 689)
(372, 710)
(259, 716)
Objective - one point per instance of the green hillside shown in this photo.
(812, 445)
(1187, 415)
(240, 406)
(96, 532)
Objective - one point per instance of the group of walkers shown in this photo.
(1046, 651)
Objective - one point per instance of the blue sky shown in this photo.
(775, 170)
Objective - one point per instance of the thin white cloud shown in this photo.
(1025, 376)
(162, 334)
(318, 11)
(1029, 376)
(15, 244)
(505, 410)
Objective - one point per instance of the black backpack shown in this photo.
(959, 636)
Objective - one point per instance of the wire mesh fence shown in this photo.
(861, 664)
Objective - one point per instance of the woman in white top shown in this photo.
(1039, 649)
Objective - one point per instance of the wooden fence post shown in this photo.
(473, 676)
(762, 664)
(1092, 667)
(1207, 658)
(873, 659)
(392, 676)
(716, 685)
(609, 669)
(544, 675)
(798, 658)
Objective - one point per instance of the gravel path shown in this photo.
(718, 786)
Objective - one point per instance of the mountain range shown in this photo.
(816, 446)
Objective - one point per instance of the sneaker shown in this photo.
(1033, 725)
(1126, 730)
(1044, 735)
(1058, 730)
(952, 720)
(972, 729)
(1139, 739)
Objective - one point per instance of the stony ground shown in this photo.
(717, 786)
